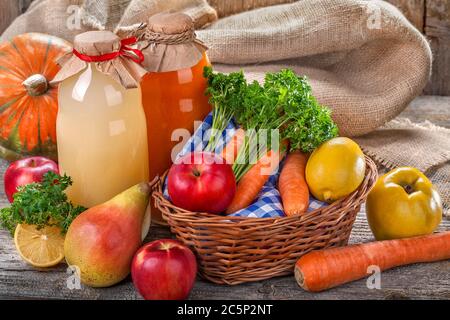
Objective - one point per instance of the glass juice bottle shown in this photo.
(173, 92)
(101, 128)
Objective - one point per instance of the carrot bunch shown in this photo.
(261, 149)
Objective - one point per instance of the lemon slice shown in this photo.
(41, 248)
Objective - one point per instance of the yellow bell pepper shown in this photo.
(402, 204)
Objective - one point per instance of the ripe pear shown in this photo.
(102, 241)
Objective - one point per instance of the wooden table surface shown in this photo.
(420, 281)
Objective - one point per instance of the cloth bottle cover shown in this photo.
(169, 43)
(112, 56)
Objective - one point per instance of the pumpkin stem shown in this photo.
(36, 85)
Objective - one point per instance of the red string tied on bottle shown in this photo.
(125, 51)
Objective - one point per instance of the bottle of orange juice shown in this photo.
(173, 91)
(101, 127)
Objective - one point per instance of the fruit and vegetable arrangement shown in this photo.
(283, 104)
(282, 138)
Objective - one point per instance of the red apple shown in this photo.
(164, 270)
(201, 182)
(26, 171)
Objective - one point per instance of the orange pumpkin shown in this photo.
(28, 104)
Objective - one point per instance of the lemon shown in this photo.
(41, 248)
(335, 169)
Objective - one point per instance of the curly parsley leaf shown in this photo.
(310, 124)
(284, 102)
(225, 95)
(42, 204)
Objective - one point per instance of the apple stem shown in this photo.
(408, 189)
(196, 173)
(165, 246)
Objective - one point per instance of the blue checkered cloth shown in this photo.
(268, 203)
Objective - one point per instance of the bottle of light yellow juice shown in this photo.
(101, 125)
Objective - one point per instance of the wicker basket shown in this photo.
(233, 250)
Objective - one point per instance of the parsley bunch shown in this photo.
(225, 95)
(260, 112)
(284, 103)
(42, 204)
(309, 124)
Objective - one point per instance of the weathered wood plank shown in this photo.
(437, 29)
(432, 108)
(422, 281)
(9, 10)
(414, 10)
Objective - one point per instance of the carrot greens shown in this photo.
(261, 115)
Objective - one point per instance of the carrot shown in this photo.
(292, 184)
(325, 269)
(230, 151)
(254, 180)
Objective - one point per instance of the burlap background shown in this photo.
(59, 17)
(364, 60)
(367, 76)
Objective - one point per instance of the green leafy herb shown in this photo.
(260, 112)
(309, 123)
(42, 204)
(225, 94)
(284, 103)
